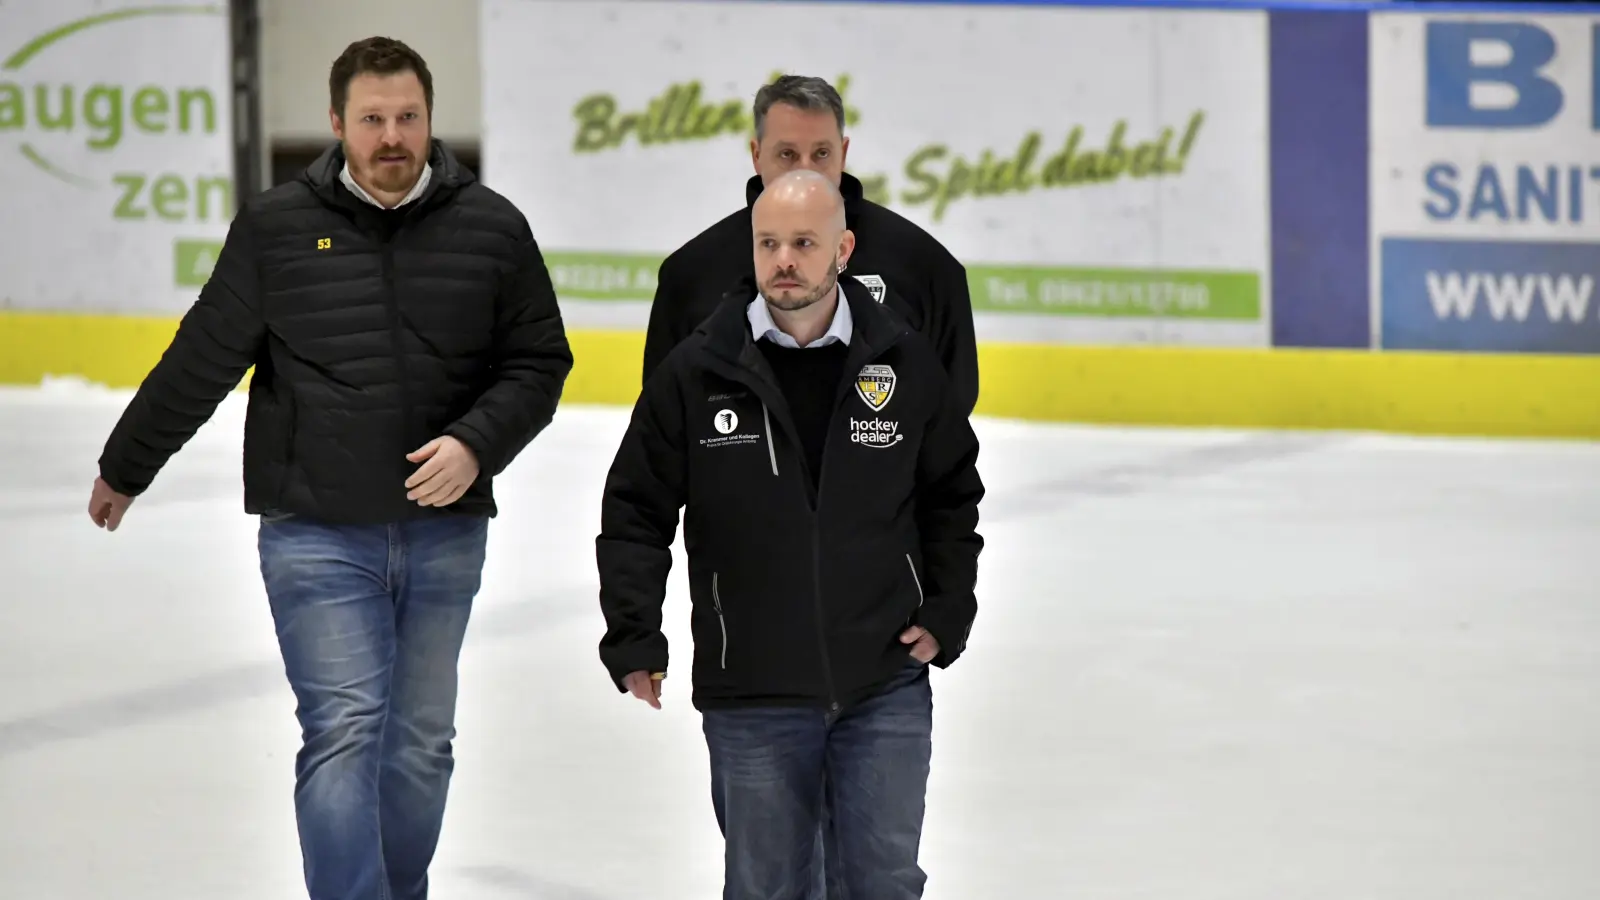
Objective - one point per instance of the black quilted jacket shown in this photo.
(371, 332)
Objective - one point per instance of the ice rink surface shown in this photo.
(1208, 666)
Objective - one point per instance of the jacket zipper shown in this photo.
(716, 601)
(396, 338)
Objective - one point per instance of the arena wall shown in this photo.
(1342, 215)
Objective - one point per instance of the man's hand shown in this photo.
(644, 686)
(106, 506)
(448, 469)
(923, 647)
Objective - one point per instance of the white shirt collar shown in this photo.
(416, 189)
(762, 325)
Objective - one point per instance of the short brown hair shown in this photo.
(803, 92)
(376, 56)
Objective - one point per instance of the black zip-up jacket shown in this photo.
(920, 280)
(799, 593)
(371, 332)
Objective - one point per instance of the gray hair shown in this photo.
(803, 92)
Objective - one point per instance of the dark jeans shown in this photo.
(370, 622)
(771, 769)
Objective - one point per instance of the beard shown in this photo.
(791, 304)
(392, 178)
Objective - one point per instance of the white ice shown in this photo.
(1209, 666)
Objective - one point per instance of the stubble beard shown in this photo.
(812, 296)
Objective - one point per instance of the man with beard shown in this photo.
(828, 476)
(799, 124)
(407, 347)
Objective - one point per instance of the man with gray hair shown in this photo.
(799, 124)
(817, 603)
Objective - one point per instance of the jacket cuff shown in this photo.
(473, 441)
(950, 627)
(621, 661)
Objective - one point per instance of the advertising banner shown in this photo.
(1102, 173)
(1486, 182)
(115, 153)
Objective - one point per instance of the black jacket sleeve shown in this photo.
(531, 362)
(955, 338)
(948, 492)
(217, 342)
(666, 328)
(644, 492)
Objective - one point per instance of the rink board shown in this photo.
(1425, 393)
(1370, 215)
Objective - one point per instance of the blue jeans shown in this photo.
(774, 769)
(370, 622)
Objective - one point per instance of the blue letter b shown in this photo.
(1451, 74)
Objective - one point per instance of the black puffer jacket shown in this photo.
(372, 332)
(799, 593)
(909, 270)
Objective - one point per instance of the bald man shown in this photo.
(828, 480)
(799, 125)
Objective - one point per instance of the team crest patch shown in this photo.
(875, 384)
(874, 284)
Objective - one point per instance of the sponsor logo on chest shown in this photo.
(875, 386)
(726, 423)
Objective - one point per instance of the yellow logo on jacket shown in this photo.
(324, 243)
(875, 385)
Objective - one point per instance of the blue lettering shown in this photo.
(1441, 181)
(1488, 196)
(1534, 192)
(1530, 189)
(1452, 73)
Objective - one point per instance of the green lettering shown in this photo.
(927, 184)
(875, 188)
(1115, 159)
(12, 113)
(187, 98)
(593, 113)
(1143, 161)
(168, 194)
(59, 121)
(995, 174)
(150, 110)
(1058, 169)
(131, 183)
(102, 111)
(207, 189)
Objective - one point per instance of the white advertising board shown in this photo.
(115, 153)
(1101, 172)
(1485, 182)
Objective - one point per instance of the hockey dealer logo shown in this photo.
(875, 385)
(726, 422)
(874, 433)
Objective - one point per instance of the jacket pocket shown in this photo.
(716, 603)
(915, 579)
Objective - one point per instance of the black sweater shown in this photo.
(809, 379)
